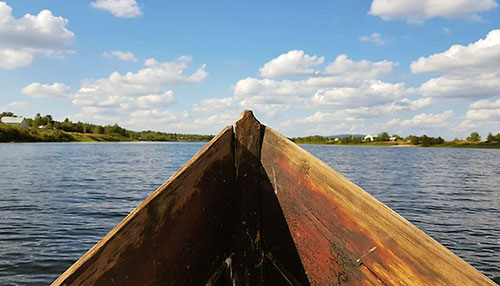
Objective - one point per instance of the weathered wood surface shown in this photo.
(178, 236)
(248, 254)
(253, 208)
(264, 252)
(344, 236)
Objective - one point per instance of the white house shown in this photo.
(16, 121)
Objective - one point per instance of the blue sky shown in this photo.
(319, 67)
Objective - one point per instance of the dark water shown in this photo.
(57, 200)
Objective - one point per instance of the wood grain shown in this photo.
(248, 254)
(178, 236)
(253, 208)
(344, 236)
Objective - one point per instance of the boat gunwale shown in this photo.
(127, 219)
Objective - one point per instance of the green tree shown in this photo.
(5, 113)
(414, 140)
(490, 137)
(98, 129)
(37, 121)
(474, 137)
(384, 136)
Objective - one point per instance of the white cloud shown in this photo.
(424, 120)
(471, 71)
(403, 104)
(340, 92)
(358, 70)
(370, 92)
(149, 80)
(18, 105)
(342, 120)
(124, 56)
(156, 100)
(21, 39)
(341, 73)
(417, 11)
(481, 56)
(38, 90)
(482, 116)
(293, 63)
(137, 99)
(119, 8)
(375, 38)
(473, 86)
(221, 119)
(484, 110)
(324, 123)
(151, 117)
(214, 105)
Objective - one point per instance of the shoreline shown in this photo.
(444, 145)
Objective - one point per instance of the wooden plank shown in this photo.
(248, 255)
(344, 236)
(179, 235)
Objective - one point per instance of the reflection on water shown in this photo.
(57, 200)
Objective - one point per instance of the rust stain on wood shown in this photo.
(334, 223)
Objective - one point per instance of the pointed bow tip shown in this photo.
(247, 116)
(247, 113)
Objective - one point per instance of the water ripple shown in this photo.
(58, 200)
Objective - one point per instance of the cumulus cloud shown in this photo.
(417, 11)
(119, 8)
(18, 105)
(375, 38)
(153, 116)
(38, 90)
(480, 56)
(149, 80)
(214, 105)
(156, 100)
(484, 110)
(403, 104)
(351, 119)
(340, 83)
(370, 92)
(292, 63)
(425, 120)
(124, 56)
(471, 71)
(21, 39)
(136, 98)
(320, 122)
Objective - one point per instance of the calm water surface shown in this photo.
(57, 200)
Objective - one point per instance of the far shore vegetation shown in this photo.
(45, 129)
(383, 139)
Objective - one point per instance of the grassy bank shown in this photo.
(400, 143)
(19, 134)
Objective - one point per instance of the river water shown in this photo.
(59, 199)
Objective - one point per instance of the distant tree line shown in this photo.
(425, 140)
(119, 133)
(493, 138)
(316, 139)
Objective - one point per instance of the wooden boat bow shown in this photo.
(253, 208)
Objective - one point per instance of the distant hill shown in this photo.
(345, 135)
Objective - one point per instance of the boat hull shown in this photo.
(253, 208)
